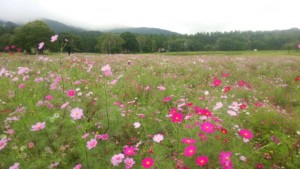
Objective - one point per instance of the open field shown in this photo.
(176, 110)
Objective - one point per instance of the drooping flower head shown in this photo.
(147, 162)
(54, 38)
(202, 160)
(190, 151)
(246, 133)
(106, 70)
(38, 126)
(76, 113)
(207, 127)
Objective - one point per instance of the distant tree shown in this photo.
(130, 43)
(110, 43)
(5, 40)
(70, 42)
(31, 34)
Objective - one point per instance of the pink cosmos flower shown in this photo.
(71, 93)
(167, 99)
(190, 151)
(158, 138)
(188, 141)
(202, 160)
(246, 133)
(15, 166)
(224, 157)
(78, 166)
(21, 86)
(129, 151)
(161, 88)
(76, 113)
(117, 159)
(54, 38)
(218, 106)
(104, 136)
(147, 162)
(177, 117)
(226, 89)
(207, 127)
(91, 144)
(11, 131)
(3, 143)
(38, 126)
(106, 70)
(49, 97)
(64, 105)
(129, 162)
(217, 82)
(41, 45)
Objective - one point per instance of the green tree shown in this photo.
(5, 40)
(31, 34)
(110, 43)
(130, 43)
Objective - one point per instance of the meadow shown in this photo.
(161, 111)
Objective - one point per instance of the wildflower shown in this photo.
(158, 138)
(78, 166)
(91, 144)
(207, 127)
(246, 133)
(147, 162)
(137, 124)
(54, 38)
(161, 88)
(104, 136)
(38, 126)
(129, 151)
(190, 151)
(106, 70)
(15, 166)
(71, 93)
(129, 162)
(41, 45)
(188, 141)
(218, 106)
(21, 86)
(226, 89)
(3, 143)
(64, 105)
(259, 166)
(217, 82)
(48, 97)
(224, 157)
(117, 159)
(202, 160)
(223, 130)
(177, 117)
(167, 99)
(76, 113)
(243, 158)
(243, 106)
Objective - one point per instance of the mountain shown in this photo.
(8, 24)
(61, 27)
(142, 30)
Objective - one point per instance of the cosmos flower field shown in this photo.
(149, 111)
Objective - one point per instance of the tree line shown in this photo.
(28, 36)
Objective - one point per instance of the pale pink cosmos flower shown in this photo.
(243, 158)
(117, 159)
(106, 70)
(38, 126)
(78, 166)
(85, 135)
(64, 105)
(161, 88)
(137, 124)
(3, 143)
(158, 138)
(91, 144)
(54, 38)
(129, 162)
(41, 45)
(76, 113)
(218, 106)
(23, 70)
(15, 166)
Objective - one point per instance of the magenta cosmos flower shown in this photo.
(38, 126)
(202, 160)
(217, 82)
(147, 162)
(129, 151)
(207, 127)
(91, 144)
(188, 141)
(76, 113)
(190, 151)
(177, 117)
(224, 157)
(246, 133)
(71, 93)
(106, 70)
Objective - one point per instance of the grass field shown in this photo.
(175, 110)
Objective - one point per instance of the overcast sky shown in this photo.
(183, 16)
